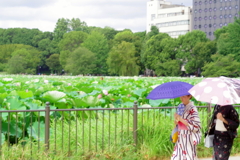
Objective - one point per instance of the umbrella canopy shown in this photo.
(172, 89)
(219, 90)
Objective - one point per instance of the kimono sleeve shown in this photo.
(193, 120)
(233, 120)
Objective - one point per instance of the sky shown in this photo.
(43, 14)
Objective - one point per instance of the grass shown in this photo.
(108, 135)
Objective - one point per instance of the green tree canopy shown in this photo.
(30, 60)
(53, 63)
(81, 61)
(122, 60)
(229, 42)
(69, 43)
(200, 55)
(222, 66)
(98, 44)
(153, 50)
(187, 43)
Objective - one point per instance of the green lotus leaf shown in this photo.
(24, 94)
(37, 131)
(53, 96)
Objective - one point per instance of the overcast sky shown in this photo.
(43, 14)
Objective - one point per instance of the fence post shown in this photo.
(47, 121)
(135, 123)
(209, 113)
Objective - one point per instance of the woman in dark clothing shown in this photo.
(225, 122)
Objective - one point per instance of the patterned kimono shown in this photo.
(185, 147)
(223, 140)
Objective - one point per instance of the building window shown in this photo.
(236, 15)
(230, 16)
(200, 18)
(225, 24)
(225, 16)
(205, 2)
(200, 2)
(210, 9)
(210, 25)
(214, 8)
(236, 6)
(210, 17)
(195, 11)
(200, 10)
(214, 25)
(210, 33)
(220, 16)
(195, 19)
(199, 26)
(221, 1)
(230, 7)
(205, 17)
(195, 27)
(220, 24)
(220, 8)
(195, 3)
(214, 17)
(205, 26)
(205, 10)
(152, 17)
(215, 1)
(210, 1)
(226, 8)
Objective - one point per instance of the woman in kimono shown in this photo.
(185, 147)
(225, 122)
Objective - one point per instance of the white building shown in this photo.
(169, 18)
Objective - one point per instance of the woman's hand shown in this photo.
(220, 116)
(177, 117)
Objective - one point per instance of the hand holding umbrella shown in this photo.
(181, 123)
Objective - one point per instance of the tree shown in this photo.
(222, 66)
(154, 31)
(168, 68)
(53, 63)
(65, 25)
(98, 44)
(29, 57)
(220, 31)
(128, 36)
(229, 42)
(167, 64)
(200, 55)
(81, 61)
(77, 25)
(153, 50)
(69, 43)
(60, 29)
(187, 43)
(122, 60)
(16, 64)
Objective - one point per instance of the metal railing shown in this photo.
(82, 129)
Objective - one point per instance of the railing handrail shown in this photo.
(93, 109)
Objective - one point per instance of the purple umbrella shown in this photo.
(170, 90)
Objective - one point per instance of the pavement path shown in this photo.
(231, 158)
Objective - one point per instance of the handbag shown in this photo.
(174, 135)
(209, 138)
(209, 141)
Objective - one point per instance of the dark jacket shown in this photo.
(230, 115)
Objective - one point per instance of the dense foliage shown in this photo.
(136, 53)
